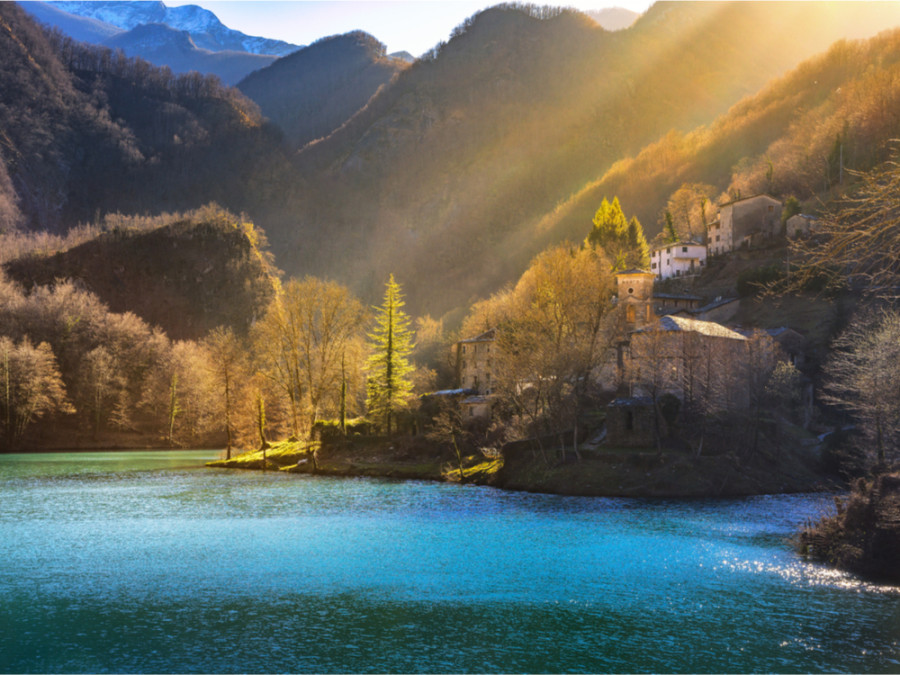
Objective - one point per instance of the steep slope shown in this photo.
(87, 131)
(45, 121)
(164, 46)
(444, 177)
(204, 27)
(188, 276)
(312, 92)
(787, 140)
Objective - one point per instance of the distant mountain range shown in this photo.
(162, 45)
(183, 38)
(203, 26)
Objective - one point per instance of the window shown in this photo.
(669, 250)
(464, 349)
(771, 208)
(684, 249)
(652, 266)
(717, 237)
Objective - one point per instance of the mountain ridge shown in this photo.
(311, 92)
(444, 178)
(163, 45)
(203, 25)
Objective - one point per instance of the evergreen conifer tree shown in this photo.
(670, 236)
(388, 385)
(624, 243)
(640, 249)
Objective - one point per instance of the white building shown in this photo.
(683, 258)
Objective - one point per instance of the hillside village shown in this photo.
(677, 345)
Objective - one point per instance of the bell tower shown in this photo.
(635, 291)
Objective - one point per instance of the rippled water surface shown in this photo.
(148, 562)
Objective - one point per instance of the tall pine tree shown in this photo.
(624, 243)
(388, 386)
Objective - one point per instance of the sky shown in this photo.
(414, 26)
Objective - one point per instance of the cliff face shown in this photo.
(864, 536)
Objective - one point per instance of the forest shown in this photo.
(179, 327)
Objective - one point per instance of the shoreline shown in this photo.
(597, 474)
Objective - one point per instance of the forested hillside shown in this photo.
(186, 274)
(463, 166)
(118, 334)
(86, 131)
(445, 177)
(313, 91)
(790, 139)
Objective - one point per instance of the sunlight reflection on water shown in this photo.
(138, 563)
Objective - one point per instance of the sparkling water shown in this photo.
(149, 562)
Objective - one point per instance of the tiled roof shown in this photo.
(635, 271)
(675, 296)
(487, 336)
(744, 199)
(685, 325)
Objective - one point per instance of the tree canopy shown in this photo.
(623, 242)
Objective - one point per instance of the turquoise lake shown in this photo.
(149, 562)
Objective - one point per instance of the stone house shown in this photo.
(475, 360)
(800, 225)
(680, 259)
(673, 303)
(630, 423)
(689, 359)
(744, 223)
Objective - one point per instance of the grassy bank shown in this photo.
(358, 457)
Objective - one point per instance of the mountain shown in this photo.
(788, 140)
(165, 46)
(403, 56)
(81, 28)
(204, 27)
(185, 274)
(447, 175)
(87, 131)
(311, 92)
(614, 18)
(457, 171)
